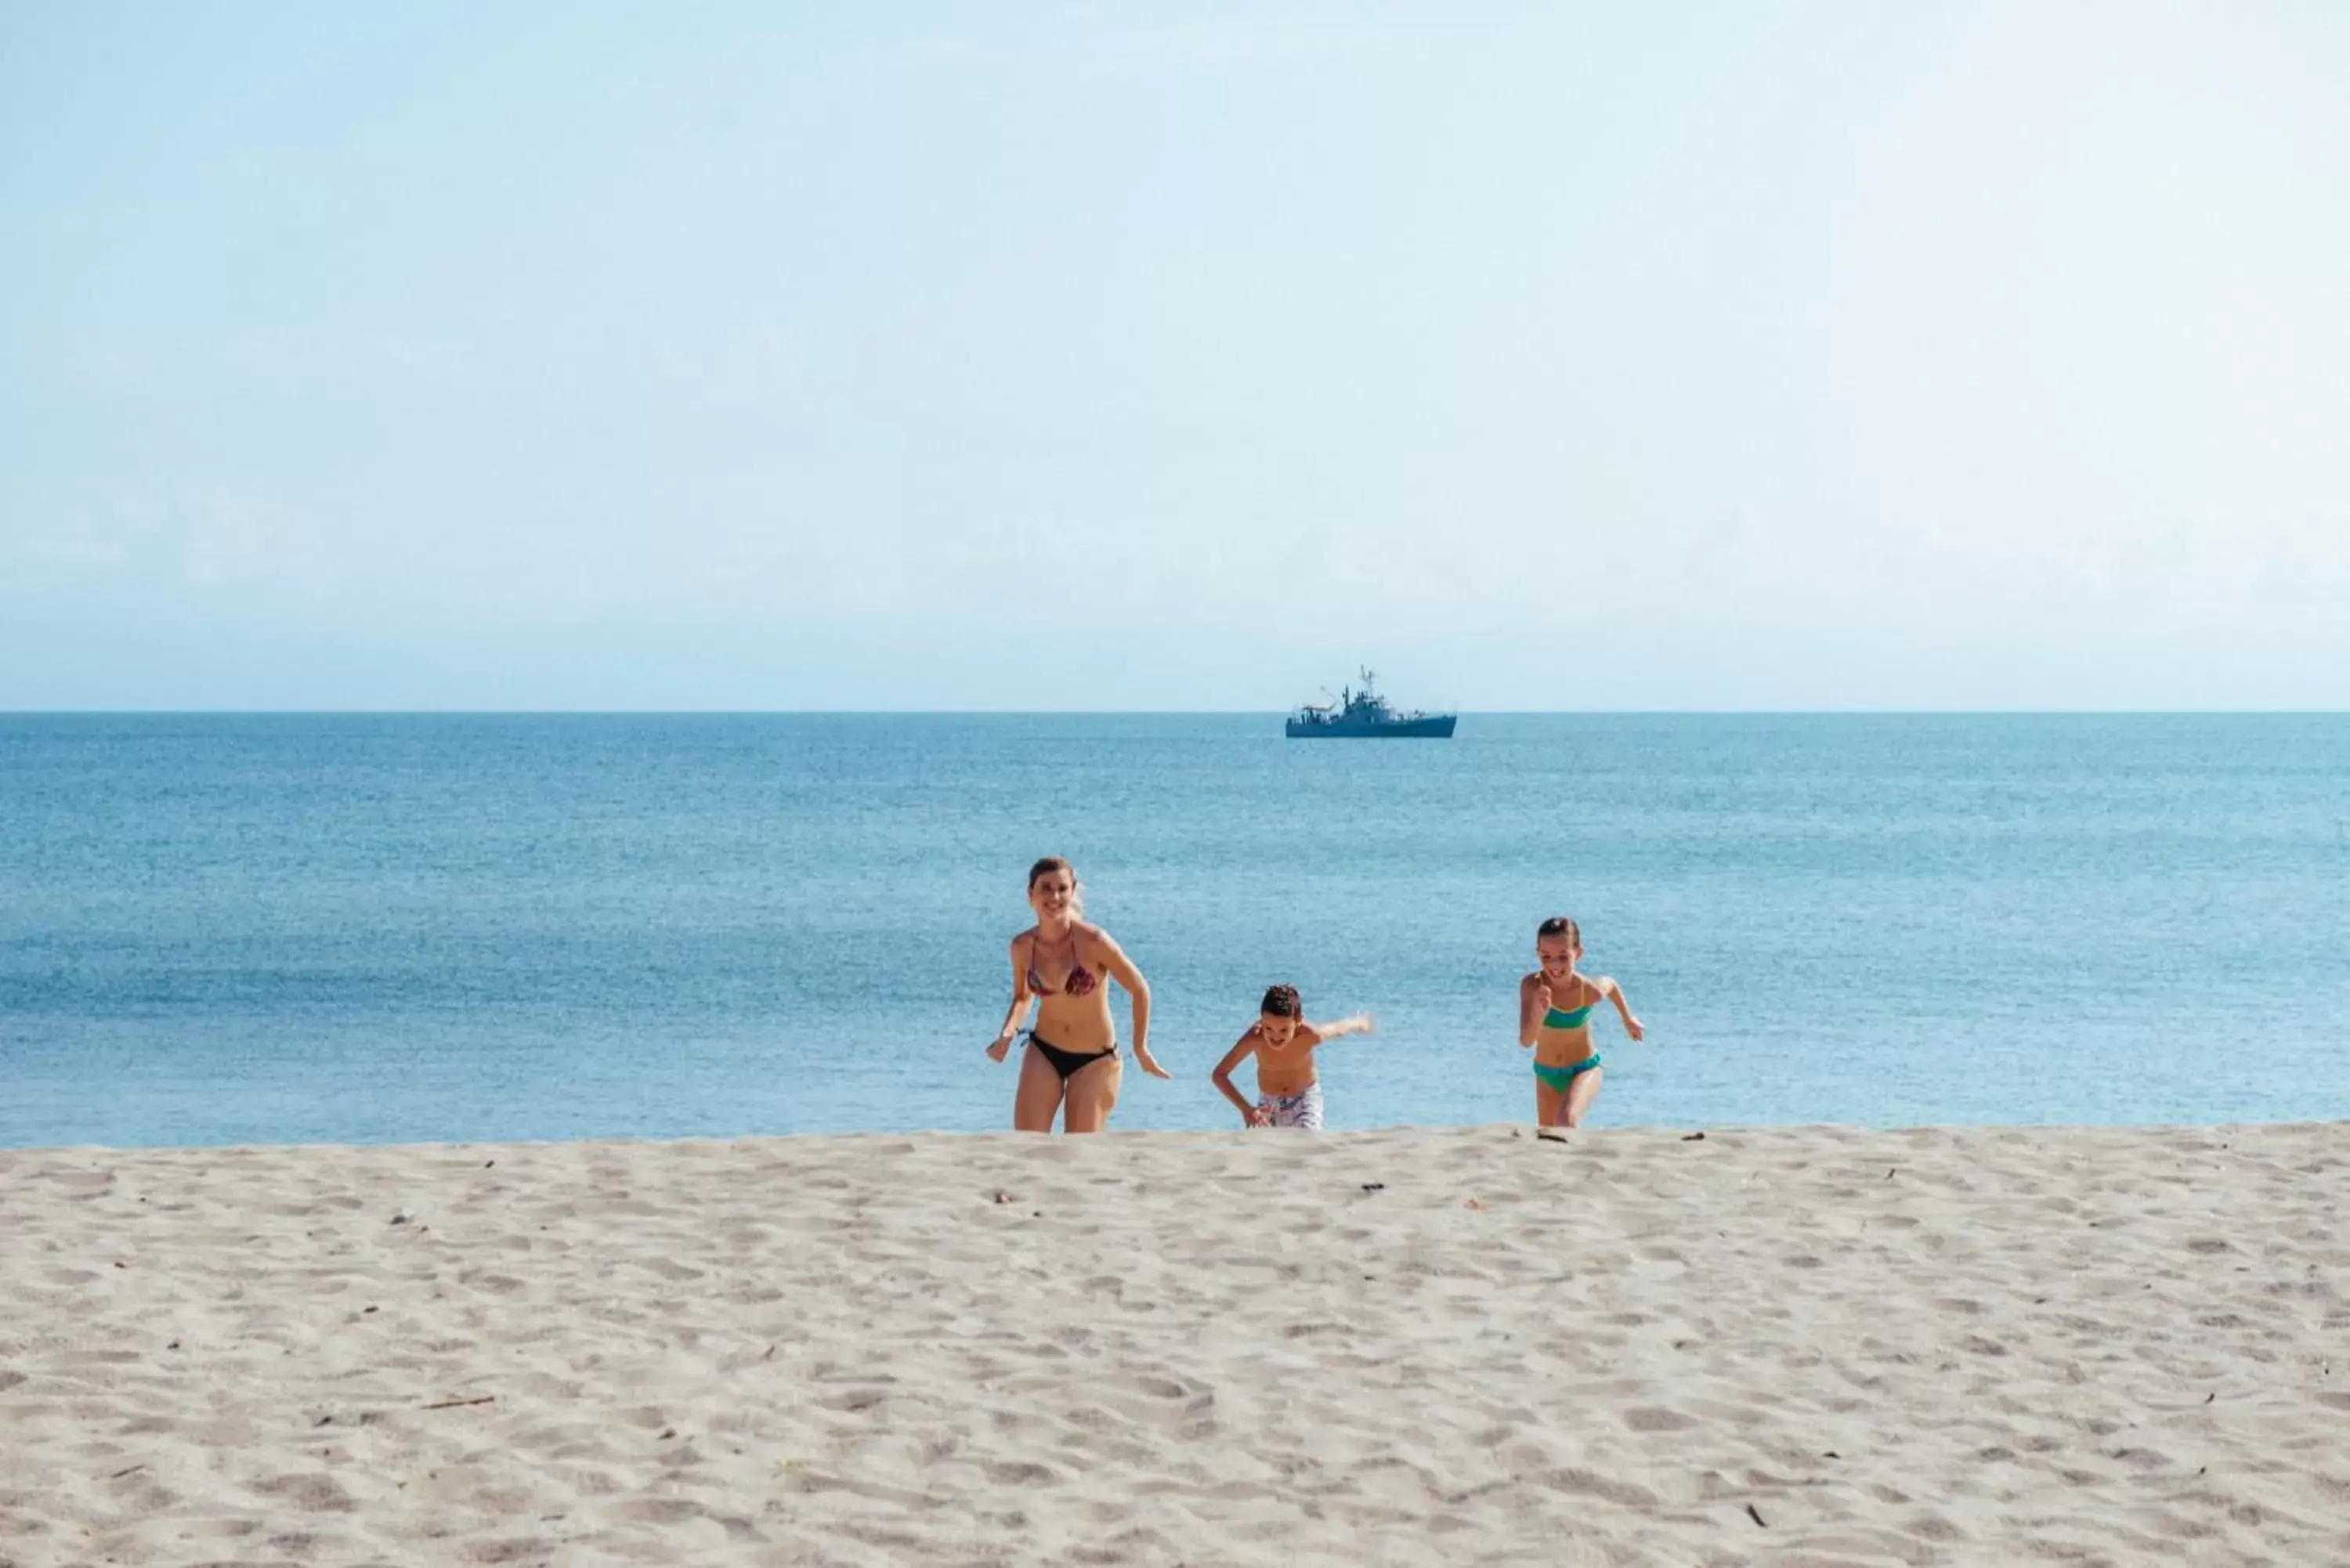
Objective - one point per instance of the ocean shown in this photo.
(219, 929)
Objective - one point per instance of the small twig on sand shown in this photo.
(454, 1404)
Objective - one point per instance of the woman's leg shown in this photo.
(1579, 1096)
(1092, 1091)
(1039, 1097)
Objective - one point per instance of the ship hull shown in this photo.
(1436, 727)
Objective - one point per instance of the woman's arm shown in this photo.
(1534, 1001)
(1242, 1048)
(1614, 993)
(1122, 970)
(1019, 1008)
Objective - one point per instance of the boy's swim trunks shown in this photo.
(1302, 1111)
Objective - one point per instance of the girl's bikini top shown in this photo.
(1559, 1018)
(1081, 981)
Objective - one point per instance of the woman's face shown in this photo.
(1559, 955)
(1051, 895)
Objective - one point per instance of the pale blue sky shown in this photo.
(741, 356)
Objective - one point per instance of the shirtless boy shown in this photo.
(1289, 1094)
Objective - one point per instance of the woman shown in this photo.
(1071, 1064)
(1554, 1006)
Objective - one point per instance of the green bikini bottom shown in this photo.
(1562, 1078)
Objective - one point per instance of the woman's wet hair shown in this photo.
(1560, 926)
(1281, 1002)
(1047, 867)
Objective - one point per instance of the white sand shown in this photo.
(1801, 1346)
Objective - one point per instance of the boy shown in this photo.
(1289, 1095)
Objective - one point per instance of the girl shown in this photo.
(1555, 1005)
(1071, 1064)
(1289, 1094)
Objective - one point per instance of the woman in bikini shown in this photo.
(1555, 1005)
(1071, 1064)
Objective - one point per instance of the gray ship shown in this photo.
(1365, 715)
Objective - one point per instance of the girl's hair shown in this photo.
(1047, 867)
(1281, 1002)
(1560, 926)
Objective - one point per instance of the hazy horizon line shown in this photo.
(1821, 713)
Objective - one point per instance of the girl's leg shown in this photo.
(1093, 1091)
(1039, 1097)
(1579, 1096)
(1549, 1104)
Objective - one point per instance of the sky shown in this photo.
(1544, 356)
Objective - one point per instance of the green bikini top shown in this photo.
(1554, 1019)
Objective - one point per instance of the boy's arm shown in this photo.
(1337, 1028)
(1242, 1049)
(1614, 993)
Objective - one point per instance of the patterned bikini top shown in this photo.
(1081, 981)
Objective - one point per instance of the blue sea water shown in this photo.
(351, 928)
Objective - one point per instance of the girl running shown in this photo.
(1555, 1005)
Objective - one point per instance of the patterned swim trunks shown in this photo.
(1302, 1111)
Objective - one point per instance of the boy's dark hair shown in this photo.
(1281, 1002)
(1560, 926)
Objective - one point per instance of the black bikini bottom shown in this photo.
(1068, 1063)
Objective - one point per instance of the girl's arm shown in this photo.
(1019, 1008)
(1337, 1028)
(1122, 967)
(1534, 1001)
(1614, 993)
(1242, 1048)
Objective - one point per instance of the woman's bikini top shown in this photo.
(1081, 981)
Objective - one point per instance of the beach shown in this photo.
(1794, 1346)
